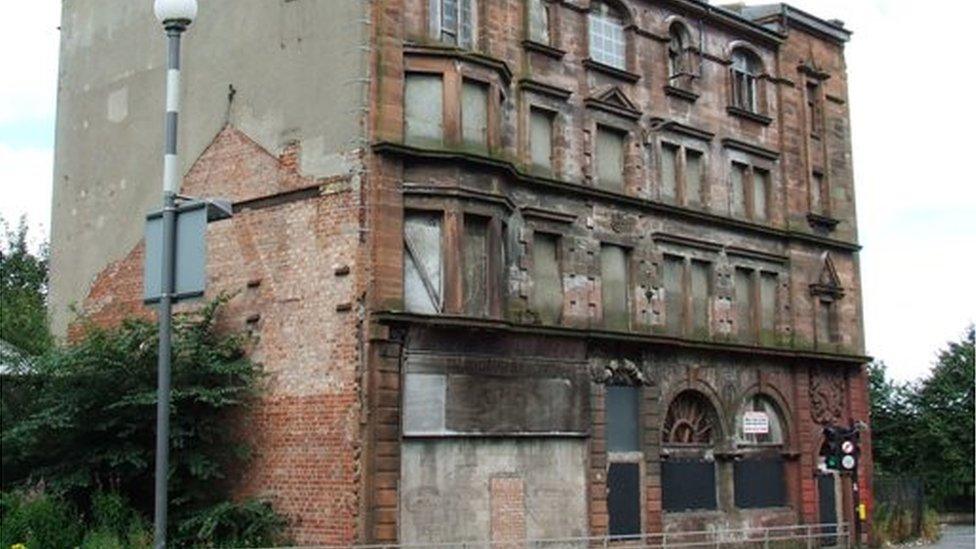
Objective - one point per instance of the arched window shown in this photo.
(679, 63)
(454, 21)
(689, 432)
(608, 45)
(690, 421)
(746, 68)
(759, 477)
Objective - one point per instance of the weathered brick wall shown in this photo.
(290, 261)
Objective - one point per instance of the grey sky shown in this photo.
(912, 114)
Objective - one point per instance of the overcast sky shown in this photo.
(911, 95)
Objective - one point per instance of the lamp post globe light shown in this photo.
(175, 16)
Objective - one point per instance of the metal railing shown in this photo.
(798, 536)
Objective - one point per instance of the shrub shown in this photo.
(39, 521)
(252, 523)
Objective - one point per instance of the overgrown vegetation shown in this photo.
(77, 427)
(893, 525)
(23, 293)
(926, 428)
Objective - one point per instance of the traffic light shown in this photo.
(841, 448)
(831, 450)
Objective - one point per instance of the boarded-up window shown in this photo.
(817, 193)
(540, 138)
(669, 171)
(622, 405)
(760, 194)
(814, 110)
(613, 274)
(474, 113)
(826, 322)
(623, 498)
(476, 279)
(423, 108)
(700, 291)
(547, 287)
(674, 296)
(538, 21)
(422, 265)
(694, 175)
(610, 159)
(767, 303)
(744, 303)
(738, 198)
(759, 483)
(688, 484)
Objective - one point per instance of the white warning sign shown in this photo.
(755, 423)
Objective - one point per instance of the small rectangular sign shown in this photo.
(755, 423)
(190, 255)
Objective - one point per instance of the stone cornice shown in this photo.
(750, 148)
(597, 334)
(469, 56)
(577, 189)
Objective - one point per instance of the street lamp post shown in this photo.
(176, 16)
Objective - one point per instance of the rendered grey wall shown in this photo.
(444, 490)
(298, 68)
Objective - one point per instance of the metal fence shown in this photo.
(901, 495)
(799, 536)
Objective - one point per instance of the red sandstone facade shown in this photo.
(715, 272)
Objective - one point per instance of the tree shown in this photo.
(944, 440)
(925, 428)
(82, 419)
(23, 293)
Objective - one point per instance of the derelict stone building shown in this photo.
(518, 268)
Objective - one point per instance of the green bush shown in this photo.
(39, 521)
(252, 523)
(83, 417)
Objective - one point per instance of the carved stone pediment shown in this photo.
(617, 371)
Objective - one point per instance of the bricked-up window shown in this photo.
(623, 459)
(423, 109)
(540, 137)
(746, 69)
(547, 285)
(744, 304)
(614, 280)
(454, 21)
(474, 113)
(701, 291)
(477, 280)
(608, 44)
(610, 158)
(539, 21)
(674, 296)
(814, 110)
(422, 262)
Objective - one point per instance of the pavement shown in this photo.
(955, 536)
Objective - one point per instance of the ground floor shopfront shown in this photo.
(503, 434)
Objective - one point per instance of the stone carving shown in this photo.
(617, 371)
(826, 397)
